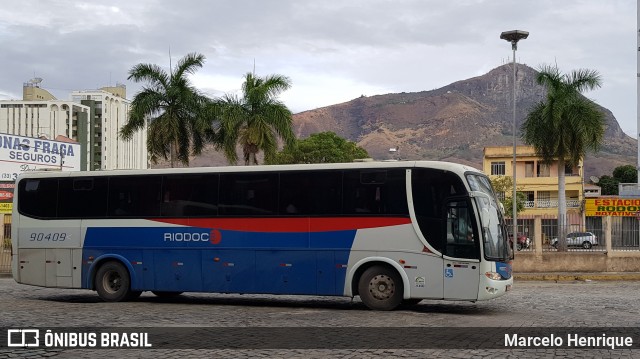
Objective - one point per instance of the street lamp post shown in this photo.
(513, 37)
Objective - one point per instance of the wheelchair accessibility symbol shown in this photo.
(448, 273)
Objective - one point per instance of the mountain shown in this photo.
(454, 123)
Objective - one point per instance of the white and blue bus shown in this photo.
(390, 232)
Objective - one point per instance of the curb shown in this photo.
(613, 276)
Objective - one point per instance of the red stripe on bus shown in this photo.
(287, 224)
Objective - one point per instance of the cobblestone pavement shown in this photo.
(531, 304)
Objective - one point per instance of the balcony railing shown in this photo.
(550, 203)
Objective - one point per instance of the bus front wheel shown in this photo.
(380, 288)
(113, 283)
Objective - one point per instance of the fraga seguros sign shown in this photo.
(20, 154)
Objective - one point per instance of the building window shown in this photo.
(568, 170)
(497, 168)
(528, 169)
(543, 170)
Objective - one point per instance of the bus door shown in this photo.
(461, 252)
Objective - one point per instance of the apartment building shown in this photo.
(108, 112)
(40, 115)
(537, 180)
(92, 118)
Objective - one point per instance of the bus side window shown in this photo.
(431, 188)
(39, 197)
(84, 197)
(375, 192)
(462, 241)
(190, 195)
(310, 193)
(135, 196)
(249, 194)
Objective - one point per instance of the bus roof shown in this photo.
(448, 166)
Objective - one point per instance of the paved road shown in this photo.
(531, 304)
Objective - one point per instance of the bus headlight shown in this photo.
(493, 275)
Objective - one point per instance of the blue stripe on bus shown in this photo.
(225, 261)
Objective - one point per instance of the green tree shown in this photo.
(504, 184)
(608, 185)
(564, 126)
(626, 174)
(323, 147)
(178, 126)
(621, 174)
(256, 120)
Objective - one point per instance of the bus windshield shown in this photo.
(495, 240)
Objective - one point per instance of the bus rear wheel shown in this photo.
(113, 283)
(380, 288)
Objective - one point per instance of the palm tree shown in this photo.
(564, 126)
(256, 120)
(178, 125)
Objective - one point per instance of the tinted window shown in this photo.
(375, 192)
(249, 194)
(38, 197)
(431, 188)
(134, 196)
(311, 193)
(462, 238)
(83, 197)
(190, 195)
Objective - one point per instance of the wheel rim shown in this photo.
(112, 282)
(382, 287)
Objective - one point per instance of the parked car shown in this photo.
(523, 241)
(585, 240)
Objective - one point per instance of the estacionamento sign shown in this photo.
(615, 207)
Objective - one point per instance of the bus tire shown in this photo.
(165, 294)
(113, 283)
(380, 288)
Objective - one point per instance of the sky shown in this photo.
(332, 50)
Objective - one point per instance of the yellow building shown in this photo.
(537, 180)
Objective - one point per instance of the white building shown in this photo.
(93, 119)
(48, 119)
(109, 111)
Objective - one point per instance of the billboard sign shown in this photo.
(6, 197)
(615, 207)
(20, 154)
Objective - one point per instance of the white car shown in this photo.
(578, 239)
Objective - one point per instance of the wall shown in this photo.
(618, 261)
